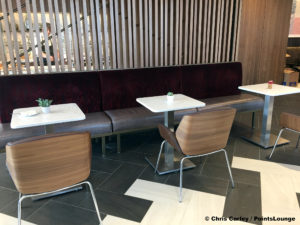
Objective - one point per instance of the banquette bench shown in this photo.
(109, 97)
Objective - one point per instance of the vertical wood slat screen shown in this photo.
(112, 34)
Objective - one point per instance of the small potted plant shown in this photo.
(44, 104)
(170, 96)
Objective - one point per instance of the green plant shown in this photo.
(170, 93)
(44, 102)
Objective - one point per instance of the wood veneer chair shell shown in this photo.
(50, 162)
(205, 132)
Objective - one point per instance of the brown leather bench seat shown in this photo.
(242, 102)
(97, 123)
(9, 135)
(137, 118)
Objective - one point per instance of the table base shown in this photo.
(57, 193)
(255, 138)
(165, 169)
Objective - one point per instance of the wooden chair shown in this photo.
(288, 121)
(200, 134)
(46, 165)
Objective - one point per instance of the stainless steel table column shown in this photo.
(265, 138)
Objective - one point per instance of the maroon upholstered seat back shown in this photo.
(22, 91)
(120, 88)
(211, 80)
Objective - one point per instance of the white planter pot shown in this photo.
(45, 109)
(170, 98)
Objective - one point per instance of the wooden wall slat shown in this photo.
(80, 34)
(2, 53)
(162, 32)
(15, 37)
(150, 34)
(191, 32)
(135, 40)
(74, 32)
(45, 34)
(141, 33)
(212, 39)
(146, 36)
(229, 30)
(66, 35)
(186, 30)
(120, 34)
(156, 25)
(166, 29)
(59, 34)
(31, 36)
(200, 39)
(221, 35)
(177, 32)
(194, 49)
(171, 31)
(124, 42)
(112, 35)
(54, 38)
(86, 36)
(37, 35)
(129, 16)
(118, 40)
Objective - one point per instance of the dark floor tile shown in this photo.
(129, 157)
(105, 165)
(246, 150)
(5, 179)
(298, 197)
(119, 205)
(122, 178)
(200, 183)
(243, 201)
(219, 157)
(7, 196)
(62, 214)
(97, 178)
(292, 158)
(149, 175)
(28, 207)
(239, 175)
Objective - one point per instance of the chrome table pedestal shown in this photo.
(170, 159)
(265, 138)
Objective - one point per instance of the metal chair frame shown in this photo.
(22, 197)
(279, 134)
(189, 157)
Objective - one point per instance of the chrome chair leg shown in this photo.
(280, 132)
(228, 166)
(297, 145)
(94, 200)
(21, 198)
(180, 179)
(159, 154)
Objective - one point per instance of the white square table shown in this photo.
(61, 113)
(158, 104)
(265, 138)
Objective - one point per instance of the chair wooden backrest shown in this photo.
(290, 120)
(206, 131)
(49, 162)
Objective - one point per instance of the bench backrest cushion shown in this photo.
(120, 88)
(211, 80)
(22, 91)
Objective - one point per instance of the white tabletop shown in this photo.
(160, 104)
(276, 90)
(59, 114)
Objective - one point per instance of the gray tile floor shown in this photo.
(113, 174)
